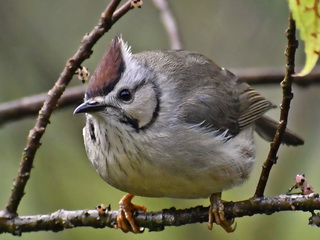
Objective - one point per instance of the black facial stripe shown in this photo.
(133, 122)
(154, 116)
(91, 131)
(156, 110)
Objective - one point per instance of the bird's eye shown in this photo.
(125, 95)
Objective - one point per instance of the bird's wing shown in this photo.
(223, 110)
(210, 96)
(253, 106)
(206, 110)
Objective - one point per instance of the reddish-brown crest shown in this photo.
(108, 72)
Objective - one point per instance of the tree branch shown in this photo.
(169, 23)
(157, 221)
(30, 106)
(284, 110)
(275, 76)
(108, 18)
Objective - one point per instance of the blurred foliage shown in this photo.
(306, 15)
(37, 37)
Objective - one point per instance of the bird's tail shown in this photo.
(266, 128)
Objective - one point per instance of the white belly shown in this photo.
(163, 167)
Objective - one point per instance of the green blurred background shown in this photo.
(36, 39)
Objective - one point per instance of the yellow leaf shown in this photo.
(307, 16)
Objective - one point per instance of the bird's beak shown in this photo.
(90, 106)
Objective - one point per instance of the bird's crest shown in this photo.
(110, 68)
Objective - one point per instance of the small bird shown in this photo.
(172, 124)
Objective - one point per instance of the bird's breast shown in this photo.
(168, 165)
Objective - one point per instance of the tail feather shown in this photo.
(266, 128)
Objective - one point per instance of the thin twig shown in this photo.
(285, 106)
(156, 221)
(169, 23)
(108, 18)
(30, 106)
(275, 76)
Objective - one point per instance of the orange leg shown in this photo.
(125, 214)
(216, 214)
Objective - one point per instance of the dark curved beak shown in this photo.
(89, 106)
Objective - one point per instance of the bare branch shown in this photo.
(275, 76)
(30, 106)
(108, 18)
(156, 221)
(285, 106)
(169, 23)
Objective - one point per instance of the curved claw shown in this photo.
(125, 220)
(216, 214)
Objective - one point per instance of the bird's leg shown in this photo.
(125, 214)
(216, 214)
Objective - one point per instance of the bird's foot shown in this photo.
(125, 215)
(216, 214)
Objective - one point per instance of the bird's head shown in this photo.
(121, 88)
